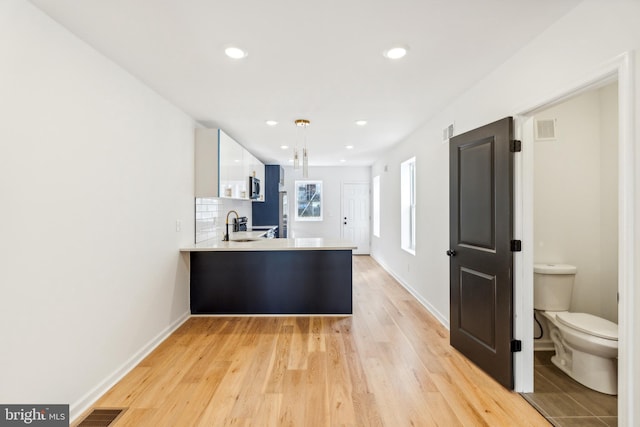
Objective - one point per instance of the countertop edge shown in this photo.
(299, 244)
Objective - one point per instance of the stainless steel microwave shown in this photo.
(254, 187)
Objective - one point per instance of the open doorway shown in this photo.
(575, 256)
(620, 69)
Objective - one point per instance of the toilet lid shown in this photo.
(589, 324)
(554, 268)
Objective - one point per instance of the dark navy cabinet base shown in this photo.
(271, 282)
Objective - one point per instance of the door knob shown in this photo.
(451, 252)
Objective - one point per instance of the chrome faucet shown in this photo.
(226, 234)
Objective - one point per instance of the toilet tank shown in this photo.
(552, 286)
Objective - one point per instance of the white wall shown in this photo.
(332, 179)
(576, 203)
(426, 273)
(608, 97)
(568, 52)
(95, 169)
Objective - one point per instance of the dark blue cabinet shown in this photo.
(295, 282)
(266, 213)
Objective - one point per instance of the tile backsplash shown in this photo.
(211, 216)
(208, 219)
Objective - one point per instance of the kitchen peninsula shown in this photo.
(271, 276)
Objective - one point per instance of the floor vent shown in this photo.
(101, 417)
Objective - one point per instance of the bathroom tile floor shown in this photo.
(565, 402)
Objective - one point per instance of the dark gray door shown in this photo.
(481, 261)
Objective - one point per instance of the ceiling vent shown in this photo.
(545, 129)
(447, 133)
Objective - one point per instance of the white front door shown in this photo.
(355, 215)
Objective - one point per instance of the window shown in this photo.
(308, 201)
(408, 205)
(376, 206)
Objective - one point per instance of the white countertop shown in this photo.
(262, 244)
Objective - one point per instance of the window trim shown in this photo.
(376, 206)
(408, 216)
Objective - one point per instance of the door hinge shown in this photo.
(516, 146)
(516, 346)
(516, 246)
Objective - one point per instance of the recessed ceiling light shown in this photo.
(342, 160)
(271, 122)
(349, 147)
(396, 52)
(290, 160)
(235, 52)
(284, 147)
(361, 122)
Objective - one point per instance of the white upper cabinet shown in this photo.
(223, 166)
(233, 181)
(206, 163)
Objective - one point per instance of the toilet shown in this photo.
(586, 346)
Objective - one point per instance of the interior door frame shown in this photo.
(621, 69)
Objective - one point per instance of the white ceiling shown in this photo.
(319, 60)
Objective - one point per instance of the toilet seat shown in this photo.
(589, 324)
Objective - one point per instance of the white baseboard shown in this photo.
(79, 407)
(426, 304)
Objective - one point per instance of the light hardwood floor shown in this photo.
(390, 364)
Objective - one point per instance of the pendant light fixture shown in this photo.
(305, 163)
(303, 124)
